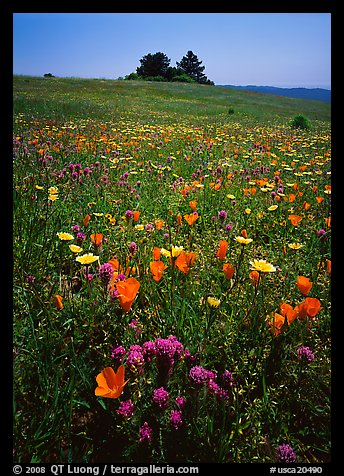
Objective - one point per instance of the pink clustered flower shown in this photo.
(145, 432)
(161, 397)
(126, 409)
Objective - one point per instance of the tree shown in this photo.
(191, 65)
(156, 64)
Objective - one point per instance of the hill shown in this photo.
(317, 94)
(75, 97)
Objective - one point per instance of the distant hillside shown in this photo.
(300, 93)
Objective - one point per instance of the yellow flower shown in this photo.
(97, 214)
(88, 258)
(242, 240)
(139, 227)
(38, 187)
(53, 197)
(295, 246)
(230, 196)
(272, 208)
(165, 253)
(248, 211)
(262, 266)
(176, 250)
(75, 248)
(53, 190)
(65, 236)
(213, 302)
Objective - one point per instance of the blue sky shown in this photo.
(266, 49)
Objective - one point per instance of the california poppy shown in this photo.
(185, 261)
(328, 266)
(159, 224)
(193, 205)
(156, 253)
(110, 383)
(295, 219)
(97, 239)
(221, 252)
(191, 218)
(127, 291)
(306, 205)
(254, 277)
(319, 199)
(228, 269)
(136, 215)
(243, 233)
(58, 302)
(309, 307)
(277, 323)
(87, 219)
(304, 285)
(179, 219)
(157, 268)
(286, 310)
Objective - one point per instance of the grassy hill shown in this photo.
(74, 97)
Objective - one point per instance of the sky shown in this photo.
(264, 49)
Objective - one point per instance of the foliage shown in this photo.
(300, 122)
(153, 65)
(154, 230)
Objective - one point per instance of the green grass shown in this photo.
(112, 146)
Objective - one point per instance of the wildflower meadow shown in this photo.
(171, 274)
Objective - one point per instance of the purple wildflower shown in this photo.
(118, 352)
(176, 419)
(200, 375)
(105, 273)
(135, 359)
(148, 350)
(285, 454)
(30, 279)
(132, 247)
(129, 214)
(180, 401)
(80, 237)
(126, 409)
(305, 353)
(161, 397)
(145, 432)
(75, 228)
(222, 214)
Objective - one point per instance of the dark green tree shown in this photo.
(156, 64)
(191, 65)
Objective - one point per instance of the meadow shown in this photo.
(171, 274)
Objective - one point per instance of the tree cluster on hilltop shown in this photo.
(156, 67)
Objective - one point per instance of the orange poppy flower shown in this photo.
(221, 252)
(292, 197)
(193, 205)
(191, 218)
(87, 219)
(159, 224)
(254, 277)
(328, 265)
(328, 222)
(287, 311)
(58, 302)
(156, 253)
(276, 323)
(127, 291)
(179, 219)
(184, 261)
(295, 219)
(136, 215)
(97, 239)
(228, 269)
(319, 199)
(244, 233)
(304, 285)
(157, 268)
(306, 205)
(110, 383)
(309, 307)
